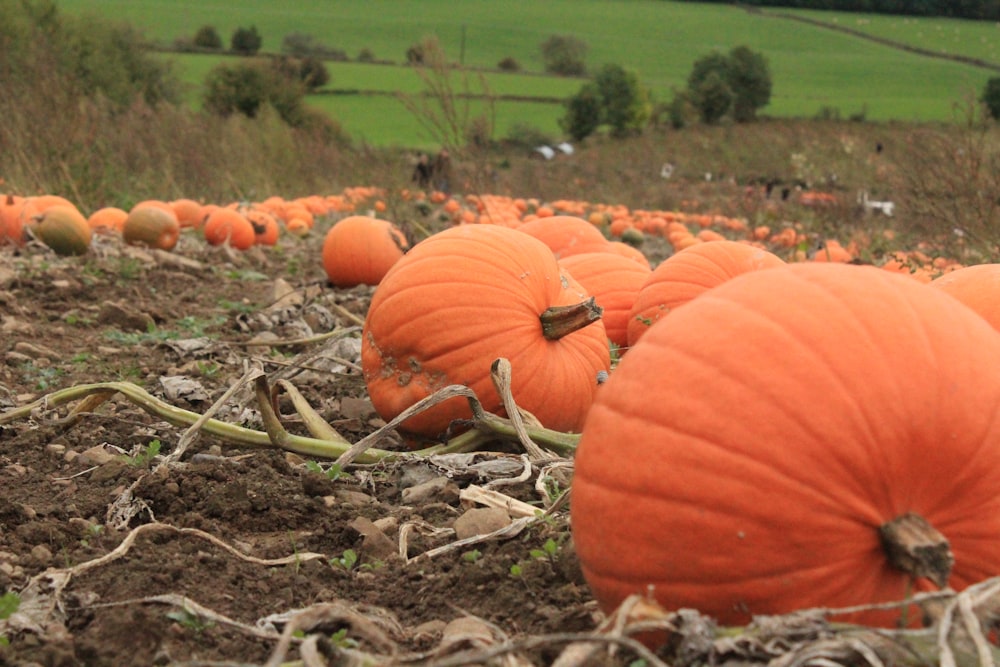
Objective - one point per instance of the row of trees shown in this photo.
(983, 10)
(720, 85)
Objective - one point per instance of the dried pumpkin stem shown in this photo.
(559, 321)
(914, 546)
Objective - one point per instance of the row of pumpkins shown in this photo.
(772, 436)
(776, 435)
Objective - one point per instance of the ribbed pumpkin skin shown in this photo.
(462, 298)
(359, 250)
(614, 280)
(566, 235)
(689, 273)
(977, 286)
(743, 455)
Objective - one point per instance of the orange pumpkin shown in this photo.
(15, 212)
(265, 224)
(360, 249)
(152, 226)
(689, 273)
(464, 297)
(189, 213)
(614, 280)
(977, 286)
(755, 450)
(109, 218)
(227, 225)
(565, 234)
(63, 229)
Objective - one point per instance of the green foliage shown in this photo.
(737, 83)
(625, 105)
(9, 603)
(246, 41)
(208, 37)
(713, 97)
(991, 96)
(564, 55)
(615, 98)
(248, 87)
(509, 64)
(583, 112)
(347, 560)
(190, 620)
(308, 70)
(145, 456)
(332, 472)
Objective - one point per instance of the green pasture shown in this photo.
(383, 120)
(955, 37)
(812, 67)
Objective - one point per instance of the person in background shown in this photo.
(422, 171)
(442, 170)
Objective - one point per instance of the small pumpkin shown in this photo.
(151, 226)
(15, 211)
(690, 272)
(108, 218)
(756, 450)
(565, 234)
(614, 280)
(360, 249)
(190, 214)
(460, 299)
(227, 225)
(63, 229)
(977, 286)
(265, 224)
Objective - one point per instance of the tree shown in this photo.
(246, 41)
(208, 37)
(624, 102)
(246, 88)
(583, 112)
(712, 97)
(565, 55)
(991, 97)
(614, 98)
(750, 79)
(742, 76)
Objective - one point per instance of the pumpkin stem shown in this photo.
(916, 547)
(559, 321)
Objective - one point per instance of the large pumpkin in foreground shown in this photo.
(464, 297)
(751, 452)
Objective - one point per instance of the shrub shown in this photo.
(991, 97)
(509, 64)
(583, 112)
(366, 55)
(246, 41)
(526, 135)
(245, 88)
(564, 55)
(415, 54)
(309, 71)
(208, 37)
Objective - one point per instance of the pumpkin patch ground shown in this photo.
(133, 535)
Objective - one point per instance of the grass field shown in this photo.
(812, 67)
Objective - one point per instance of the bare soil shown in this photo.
(121, 559)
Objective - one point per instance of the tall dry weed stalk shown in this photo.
(950, 181)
